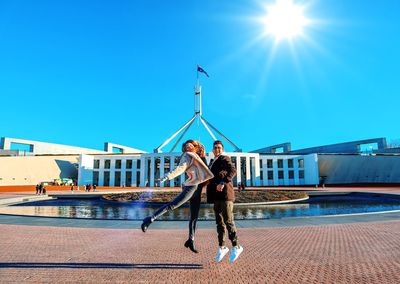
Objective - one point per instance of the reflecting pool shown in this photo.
(101, 209)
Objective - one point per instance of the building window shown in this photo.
(280, 163)
(368, 148)
(269, 164)
(157, 163)
(301, 174)
(128, 179)
(167, 166)
(96, 164)
(270, 175)
(137, 178)
(138, 164)
(243, 168)
(117, 178)
(252, 170)
(291, 174)
(280, 174)
(290, 163)
(301, 163)
(129, 164)
(117, 150)
(107, 164)
(117, 164)
(106, 181)
(21, 147)
(95, 177)
(148, 169)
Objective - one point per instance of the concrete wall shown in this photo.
(311, 170)
(352, 147)
(304, 169)
(30, 170)
(40, 148)
(85, 175)
(387, 151)
(353, 169)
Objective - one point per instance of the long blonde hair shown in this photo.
(199, 148)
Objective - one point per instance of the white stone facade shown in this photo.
(142, 170)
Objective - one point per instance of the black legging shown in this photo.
(182, 197)
(194, 211)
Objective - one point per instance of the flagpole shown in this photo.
(196, 93)
(197, 76)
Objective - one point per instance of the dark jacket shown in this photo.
(223, 170)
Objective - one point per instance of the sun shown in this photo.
(285, 20)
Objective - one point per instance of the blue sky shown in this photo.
(86, 72)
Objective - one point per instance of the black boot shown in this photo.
(190, 244)
(146, 223)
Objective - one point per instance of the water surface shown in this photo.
(100, 209)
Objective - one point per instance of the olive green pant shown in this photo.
(224, 218)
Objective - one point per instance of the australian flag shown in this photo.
(199, 69)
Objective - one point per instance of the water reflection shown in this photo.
(99, 209)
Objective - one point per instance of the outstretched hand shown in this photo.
(220, 187)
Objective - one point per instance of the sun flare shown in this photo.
(285, 20)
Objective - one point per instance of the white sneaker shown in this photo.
(221, 253)
(236, 251)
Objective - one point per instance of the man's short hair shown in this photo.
(216, 142)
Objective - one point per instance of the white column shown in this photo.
(101, 172)
(238, 171)
(152, 172)
(296, 171)
(257, 171)
(265, 172)
(123, 171)
(252, 171)
(275, 168)
(134, 171)
(112, 172)
(162, 162)
(171, 167)
(285, 171)
(143, 171)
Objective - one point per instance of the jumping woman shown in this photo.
(194, 166)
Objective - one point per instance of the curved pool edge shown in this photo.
(384, 216)
(25, 199)
(273, 202)
(211, 205)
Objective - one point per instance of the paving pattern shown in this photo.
(353, 249)
(339, 253)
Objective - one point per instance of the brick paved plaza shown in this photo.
(363, 252)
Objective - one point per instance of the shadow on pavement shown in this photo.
(100, 265)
